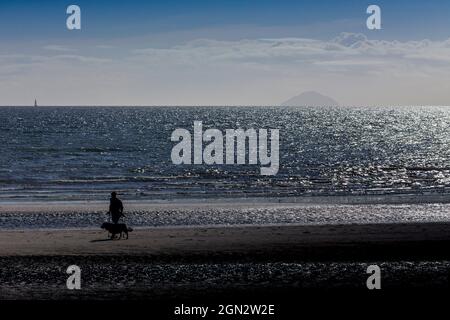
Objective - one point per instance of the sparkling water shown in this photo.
(83, 153)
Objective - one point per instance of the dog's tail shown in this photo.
(129, 229)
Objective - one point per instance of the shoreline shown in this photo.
(399, 198)
(141, 216)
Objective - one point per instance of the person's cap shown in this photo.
(113, 194)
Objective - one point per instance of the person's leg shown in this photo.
(115, 218)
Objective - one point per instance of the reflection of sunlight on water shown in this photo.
(82, 153)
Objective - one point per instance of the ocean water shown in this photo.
(83, 153)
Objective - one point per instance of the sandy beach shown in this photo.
(249, 243)
(185, 262)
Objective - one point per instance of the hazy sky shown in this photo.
(243, 52)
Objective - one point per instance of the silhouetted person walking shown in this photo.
(115, 207)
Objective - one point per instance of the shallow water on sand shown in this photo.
(167, 216)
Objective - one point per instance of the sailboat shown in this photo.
(35, 103)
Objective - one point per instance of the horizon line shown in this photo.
(218, 105)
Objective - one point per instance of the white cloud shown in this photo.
(345, 50)
(56, 47)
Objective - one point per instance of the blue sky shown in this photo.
(178, 52)
(105, 20)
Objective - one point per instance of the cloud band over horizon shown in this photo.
(350, 67)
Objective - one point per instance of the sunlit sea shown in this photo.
(83, 153)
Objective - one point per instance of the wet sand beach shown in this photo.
(241, 212)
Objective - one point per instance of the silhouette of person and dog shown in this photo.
(116, 212)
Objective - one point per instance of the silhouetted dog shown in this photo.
(115, 228)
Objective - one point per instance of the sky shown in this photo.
(235, 52)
